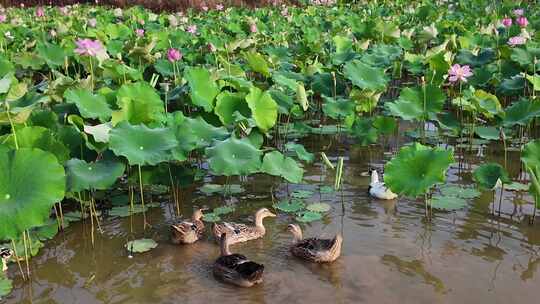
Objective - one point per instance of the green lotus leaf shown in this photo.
(308, 216)
(416, 169)
(234, 157)
(486, 175)
(290, 206)
(487, 132)
(530, 155)
(338, 109)
(210, 189)
(385, 125)
(365, 76)
(47, 231)
(461, 192)
(521, 112)
(98, 175)
(5, 286)
(40, 138)
(447, 203)
(257, 63)
(99, 132)
(211, 217)
(410, 105)
(326, 189)
(142, 145)
(319, 207)
(515, 186)
(32, 181)
(89, 105)
(300, 151)
(54, 55)
(512, 86)
(227, 103)
(223, 210)
(487, 103)
(138, 103)
(275, 163)
(535, 81)
(302, 194)
(263, 108)
(140, 245)
(482, 58)
(364, 131)
(203, 88)
(125, 211)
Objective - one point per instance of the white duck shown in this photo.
(378, 190)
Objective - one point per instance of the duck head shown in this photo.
(296, 232)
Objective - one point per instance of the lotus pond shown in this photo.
(115, 124)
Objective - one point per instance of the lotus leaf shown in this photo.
(227, 103)
(89, 105)
(308, 216)
(138, 103)
(263, 108)
(203, 88)
(447, 203)
(410, 105)
(234, 157)
(486, 175)
(319, 207)
(141, 245)
(98, 175)
(365, 76)
(290, 206)
(275, 163)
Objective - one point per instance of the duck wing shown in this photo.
(236, 232)
(187, 232)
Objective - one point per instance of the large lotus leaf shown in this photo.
(365, 76)
(141, 245)
(512, 86)
(275, 163)
(521, 112)
(364, 131)
(227, 103)
(410, 105)
(482, 58)
(54, 55)
(447, 203)
(416, 169)
(487, 132)
(263, 108)
(338, 109)
(385, 125)
(535, 81)
(203, 88)
(487, 103)
(89, 105)
(138, 103)
(37, 137)
(531, 154)
(290, 206)
(300, 151)
(142, 145)
(257, 63)
(234, 157)
(98, 175)
(32, 181)
(486, 175)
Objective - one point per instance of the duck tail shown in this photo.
(335, 249)
(251, 271)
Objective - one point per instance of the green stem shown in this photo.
(142, 197)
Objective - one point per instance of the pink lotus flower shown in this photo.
(518, 12)
(219, 7)
(211, 47)
(459, 73)
(89, 47)
(92, 22)
(139, 32)
(40, 12)
(192, 29)
(253, 28)
(516, 40)
(522, 21)
(3, 18)
(174, 55)
(507, 22)
(205, 8)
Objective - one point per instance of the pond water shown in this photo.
(391, 254)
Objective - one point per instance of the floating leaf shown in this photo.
(486, 175)
(319, 207)
(142, 145)
(308, 216)
(461, 192)
(234, 157)
(203, 88)
(98, 175)
(209, 189)
(416, 169)
(263, 108)
(302, 194)
(211, 217)
(141, 245)
(515, 186)
(32, 181)
(125, 211)
(290, 206)
(447, 203)
(275, 163)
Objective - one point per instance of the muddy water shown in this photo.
(391, 254)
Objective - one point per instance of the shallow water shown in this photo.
(391, 254)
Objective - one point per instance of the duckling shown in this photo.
(314, 249)
(5, 254)
(188, 232)
(235, 268)
(241, 233)
(378, 189)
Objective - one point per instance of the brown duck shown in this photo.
(314, 249)
(188, 232)
(236, 269)
(238, 233)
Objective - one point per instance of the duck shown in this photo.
(236, 269)
(188, 232)
(315, 249)
(5, 254)
(378, 189)
(239, 233)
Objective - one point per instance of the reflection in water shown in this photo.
(390, 253)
